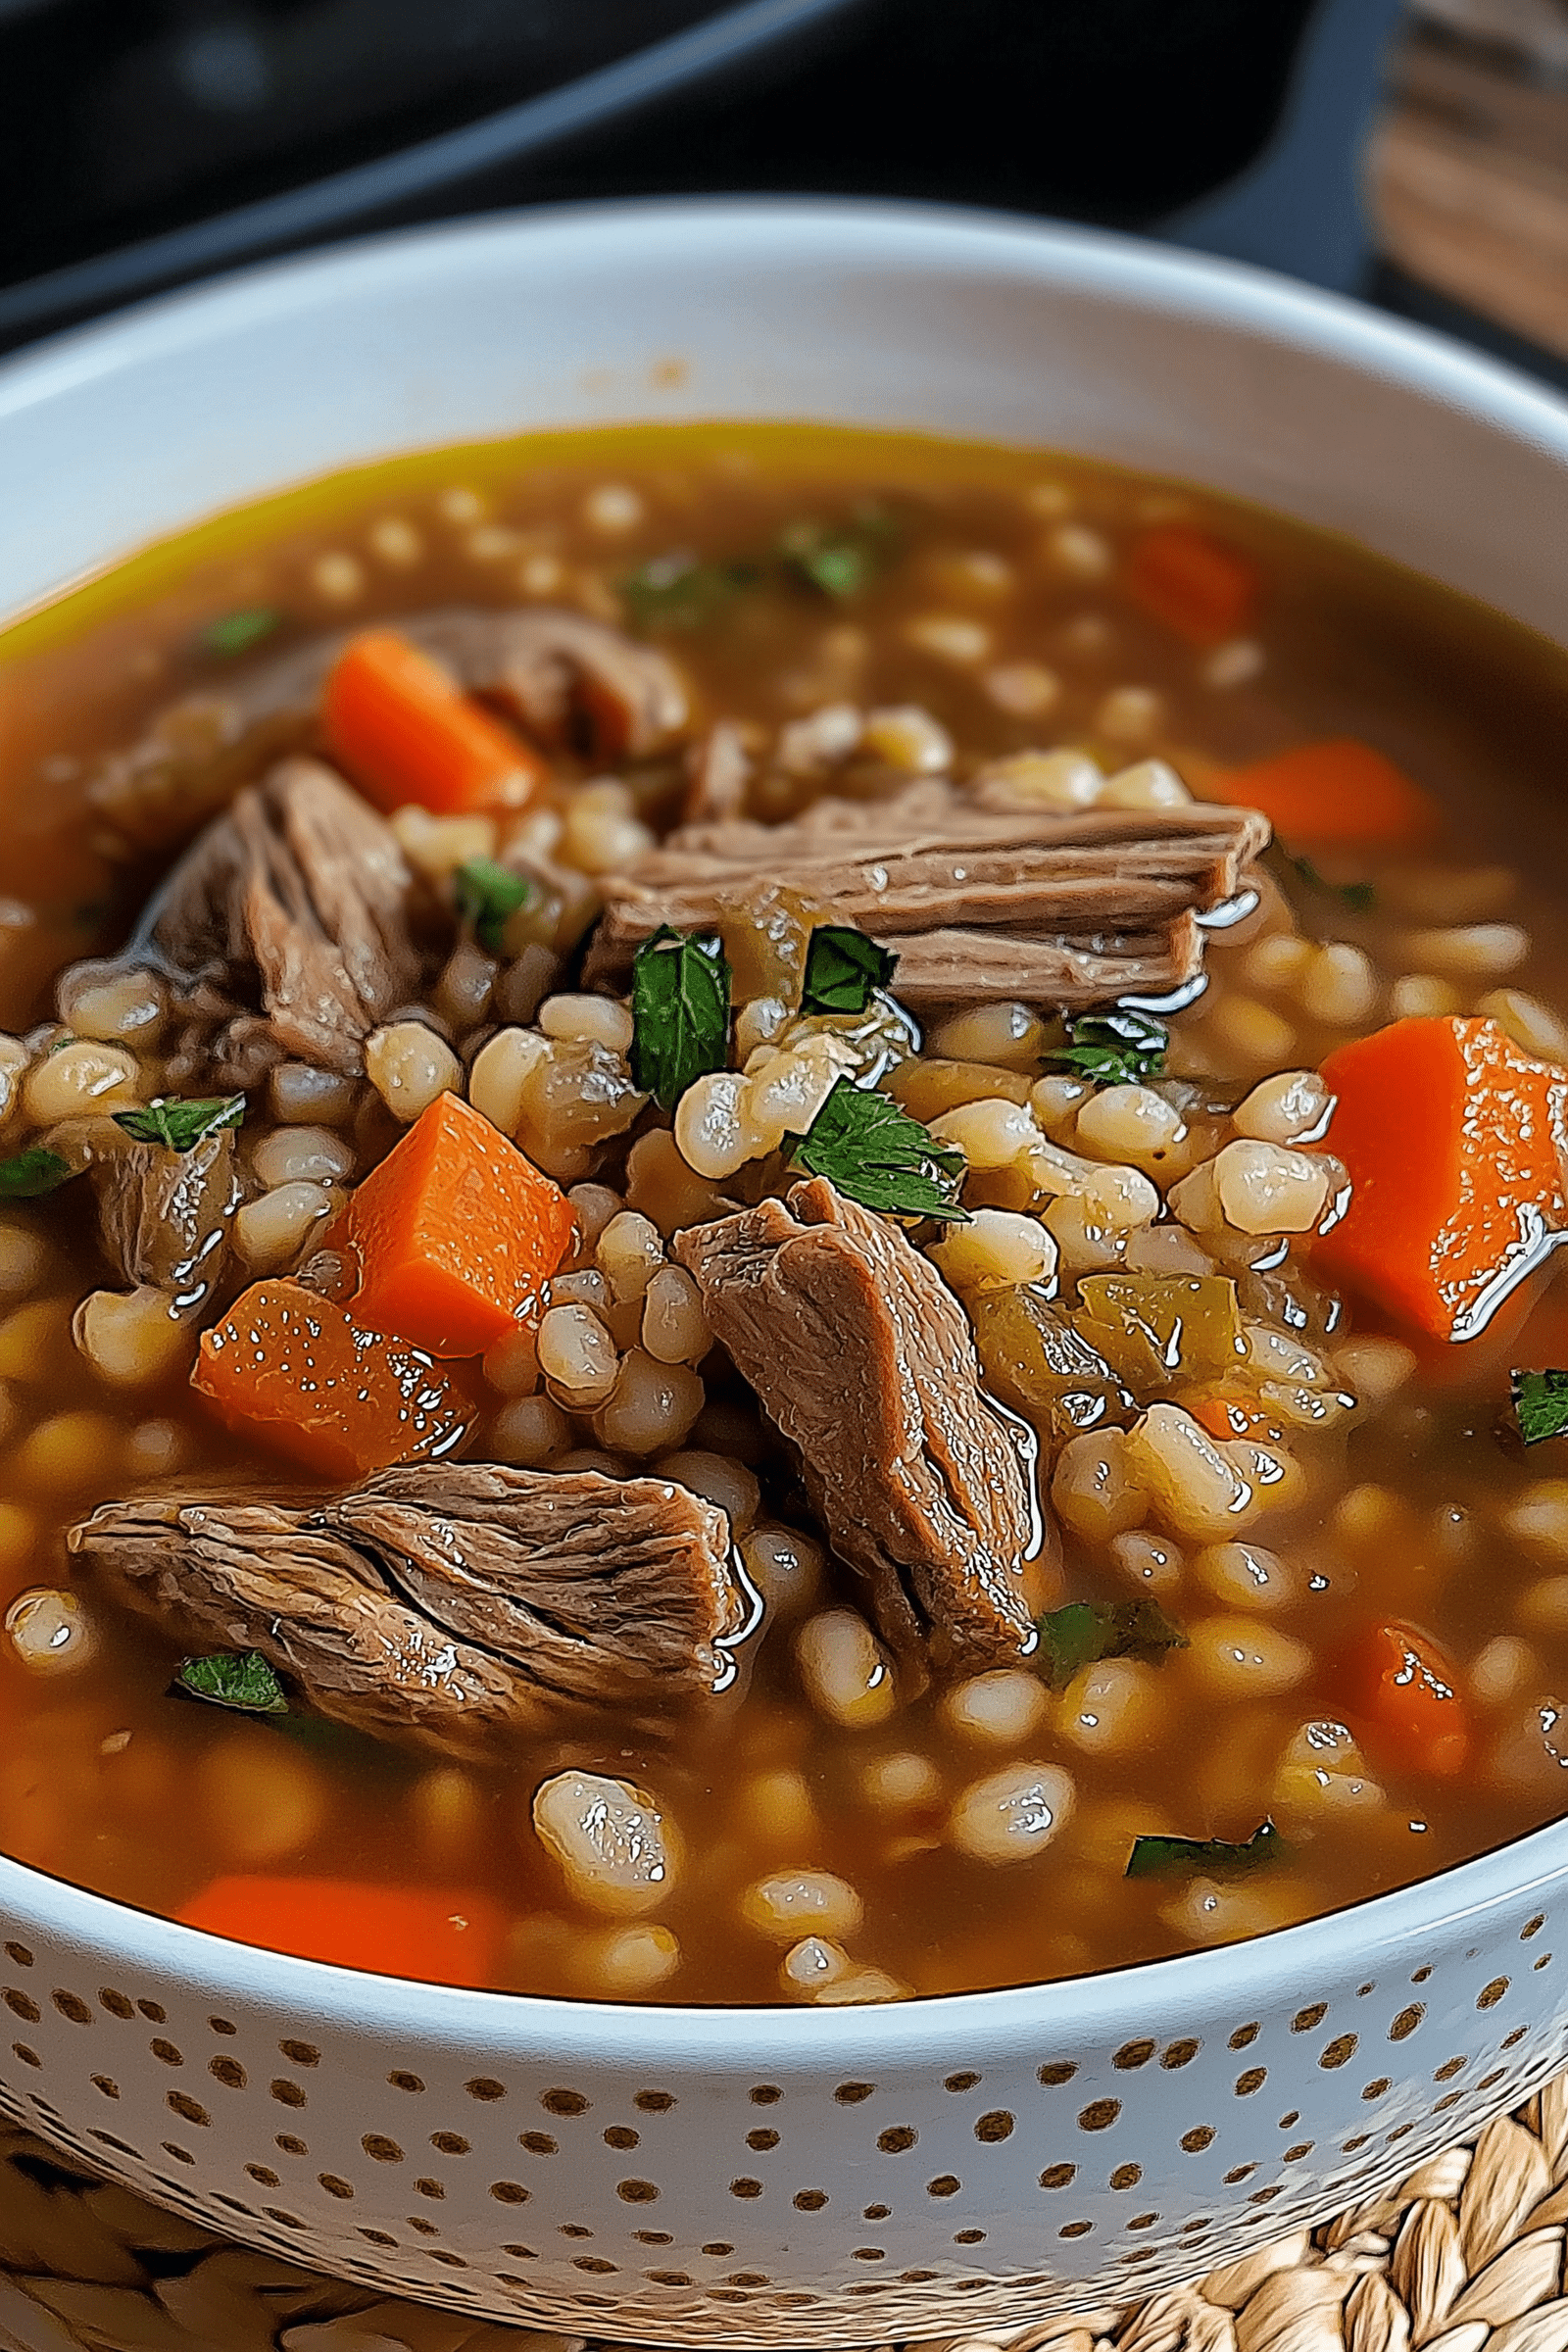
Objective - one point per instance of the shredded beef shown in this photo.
(283, 931)
(977, 901)
(865, 1359)
(451, 1603)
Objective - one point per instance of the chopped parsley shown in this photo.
(488, 894)
(841, 558)
(843, 969)
(1358, 896)
(875, 1153)
(1159, 1857)
(180, 1125)
(683, 591)
(27, 1175)
(236, 632)
(1118, 1048)
(1541, 1405)
(1086, 1630)
(680, 1012)
(238, 1679)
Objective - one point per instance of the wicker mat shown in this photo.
(1466, 2253)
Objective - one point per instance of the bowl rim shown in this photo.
(1122, 272)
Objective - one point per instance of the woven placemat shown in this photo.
(1465, 2253)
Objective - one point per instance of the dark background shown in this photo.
(144, 143)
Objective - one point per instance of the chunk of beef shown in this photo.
(978, 903)
(283, 931)
(863, 1359)
(570, 681)
(451, 1603)
(166, 1216)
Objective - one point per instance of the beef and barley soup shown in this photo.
(776, 1221)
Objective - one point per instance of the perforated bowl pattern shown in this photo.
(795, 2178)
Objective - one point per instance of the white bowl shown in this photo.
(789, 2177)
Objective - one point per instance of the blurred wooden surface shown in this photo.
(1468, 173)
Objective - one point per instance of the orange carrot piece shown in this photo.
(428, 1934)
(1456, 1145)
(405, 731)
(1402, 1701)
(1337, 792)
(296, 1372)
(1226, 1417)
(456, 1233)
(1201, 589)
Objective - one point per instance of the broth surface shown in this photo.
(995, 610)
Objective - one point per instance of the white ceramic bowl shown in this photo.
(785, 2177)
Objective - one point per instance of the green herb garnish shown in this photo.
(840, 558)
(179, 1125)
(27, 1175)
(1358, 896)
(843, 968)
(1156, 1857)
(875, 1153)
(681, 591)
(239, 1679)
(237, 632)
(1541, 1405)
(1119, 1048)
(680, 1012)
(488, 894)
(1086, 1630)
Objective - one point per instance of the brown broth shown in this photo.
(107, 1782)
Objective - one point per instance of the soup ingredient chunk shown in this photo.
(980, 905)
(283, 931)
(1402, 1697)
(454, 1233)
(166, 1216)
(1456, 1145)
(403, 728)
(1341, 792)
(1196, 585)
(863, 1359)
(616, 1850)
(427, 1934)
(569, 681)
(301, 1375)
(454, 1604)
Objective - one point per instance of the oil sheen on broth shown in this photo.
(817, 1719)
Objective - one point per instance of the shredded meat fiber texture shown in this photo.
(454, 1605)
(284, 932)
(863, 1359)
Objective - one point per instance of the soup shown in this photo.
(777, 1222)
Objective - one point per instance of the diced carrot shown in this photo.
(454, 1233)
(1457, 1149)
(431, 1936)
(1226, 1417)
(300, 1374)
(1336, 791)
(1399, 1695)
(1196, 585)
(405, 731)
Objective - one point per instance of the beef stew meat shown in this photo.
(862, 1357)
(786, 1201)
(452, 1604)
